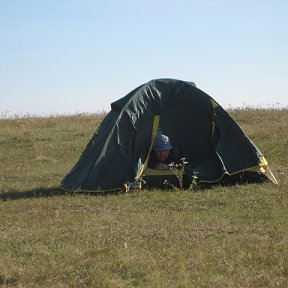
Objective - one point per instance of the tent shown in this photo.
(200, 131)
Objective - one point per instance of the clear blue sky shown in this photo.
(78, 56)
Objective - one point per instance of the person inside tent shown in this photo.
(162, 154)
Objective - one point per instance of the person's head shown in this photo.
(162, 147)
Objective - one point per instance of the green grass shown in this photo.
(222, 237)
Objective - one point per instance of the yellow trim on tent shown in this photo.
(156, 121)
(262, 166)
(79, 190)
(214, 106)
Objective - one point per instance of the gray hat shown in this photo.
(162, 142)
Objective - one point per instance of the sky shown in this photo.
(78, 56)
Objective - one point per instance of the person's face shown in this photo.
(162, 155)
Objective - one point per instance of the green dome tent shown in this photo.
(200, 131)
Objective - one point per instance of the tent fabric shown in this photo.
(200, 131)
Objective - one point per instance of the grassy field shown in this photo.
(222, 237)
